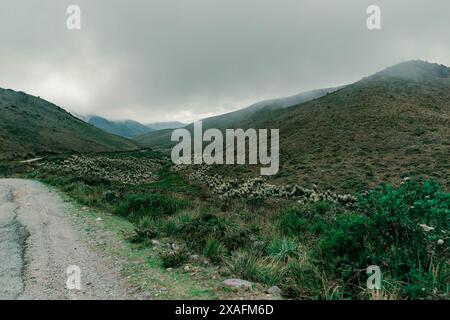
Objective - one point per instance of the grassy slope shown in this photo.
(161, 139)
(393, 124)
(383, 127)
(31, 126)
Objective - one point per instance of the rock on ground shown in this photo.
(274, 291)
(237, 283)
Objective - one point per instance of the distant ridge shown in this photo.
(415, 70)
(165, 125)
(125, 128)
(161, 139)
(128, 128)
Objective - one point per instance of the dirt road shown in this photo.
(39, 242)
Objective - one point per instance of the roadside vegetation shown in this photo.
(311, 244)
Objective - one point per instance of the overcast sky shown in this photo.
(164, 60)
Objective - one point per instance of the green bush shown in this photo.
(402, 230)
(282, 249)
(154, 205)
(145, 229)
(85, 194)
(249, 266)
(306, 281)
(244, 265)
(173, 259)
(231, 233)
(308, 219)
(271, 273)
(214, 250)
(168, 227)
(110, 197)
(389, 231)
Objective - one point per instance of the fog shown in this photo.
(166, 60)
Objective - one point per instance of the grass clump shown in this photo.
(310, 219)
(214, 250)
(281, 249)
(153, 205)
(245, 265)
(229, 231)
(145, 229)
(173, 259)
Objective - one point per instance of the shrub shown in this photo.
(145, 229)
(403, 230)
(85, 194)
(154, 205)
(282, 249)
(270, 273)
(244, 265)
(214, 250)
(173, 259)
(110, 196)
(306, 281)
(312, 218)
(390, 230)
(168, 227)
(231, 233)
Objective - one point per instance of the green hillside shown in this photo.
(393, 124)
(161, 139)
(31, 127)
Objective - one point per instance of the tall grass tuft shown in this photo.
(154, 205)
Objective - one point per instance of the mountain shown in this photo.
(393, 124)
(31, 126)
(161, 139)
(126, 128)
(165, 125)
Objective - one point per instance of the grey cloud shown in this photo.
(182, 60)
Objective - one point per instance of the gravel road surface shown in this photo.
(39, 241)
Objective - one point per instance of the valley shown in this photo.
(387, 126)
(363, 180)
(303, 241)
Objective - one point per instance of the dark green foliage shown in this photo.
(172, 181)
(214, 250)
(145, 229)
(173, 259)
(388, 230)
(228, 231)
(153, 205)
(282, 249)
(245, 265)
(312, 218)
(302, 282)
(168, 227)
(110, 196)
